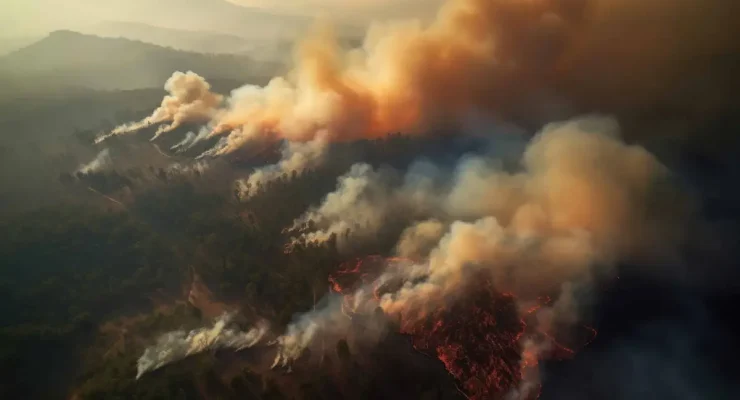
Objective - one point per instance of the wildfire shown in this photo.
(478, 338)
(346, 277)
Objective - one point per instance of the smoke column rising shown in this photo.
(534, 60)
(476, 55)
(190, 140)
(102, 160)
(175, 346)
(583, 201)
(405, 77)
(355, 203)
(190, 100)
(296, 156)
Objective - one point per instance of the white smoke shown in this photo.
(184, 143)
(178, 345)
(194, 167)
(190, 100)
(296, 156)
(365, 199)
(582, 201)
(358, 204)
(301, 334)
(330, 322)
(102, 160)
(190, 140)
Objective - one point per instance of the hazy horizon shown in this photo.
(25, 18)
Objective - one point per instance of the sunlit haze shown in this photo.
(35, 17)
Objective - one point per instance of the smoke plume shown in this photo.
(419, 239)
(531, 61)
(295, 157)
(406, 76)
(582, 202)
(102, 160)
(190, 100)
(190, 168)
(498, 57)
(357, 204)
(365, 199)
(178, 345)
(190, 140)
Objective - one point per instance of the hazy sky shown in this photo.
(368, 8)
(34, 17)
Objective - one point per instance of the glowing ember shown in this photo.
(479, 338)
(345, 279)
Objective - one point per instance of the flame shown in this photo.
(477, 340)
(480, 339)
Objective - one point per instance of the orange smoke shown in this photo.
(493, 56)
(406, 77)
(583, 202)
(499, 57)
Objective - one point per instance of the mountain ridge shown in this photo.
(119, 63)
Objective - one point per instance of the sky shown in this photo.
(368, 8)
(37, 17)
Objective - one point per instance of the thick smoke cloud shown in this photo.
(365, 199)
(190, 100)
(481, 186)
(529, 61)
(583, 201)
(406, 76)
(175, 346)
(420, 238)
(543, 58)
(328, 322)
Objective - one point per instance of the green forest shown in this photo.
(90, 284)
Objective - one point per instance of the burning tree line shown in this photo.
(578, 202)
(513, 251)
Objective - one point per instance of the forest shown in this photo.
(88, 282)
(115, 257)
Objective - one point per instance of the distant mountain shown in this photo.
(179, 39)
(10, 44)
(274, 49)
(206, 15)
(218, 16)
(66, 58)
(193, 15)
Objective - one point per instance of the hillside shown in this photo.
(179, 39)
(10, 44)
(274, 50)
(206, 15)
(195, 15)
(73, 59)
